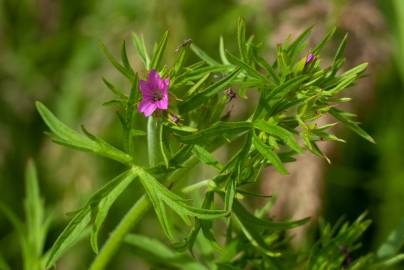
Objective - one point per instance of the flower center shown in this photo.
(157, 95)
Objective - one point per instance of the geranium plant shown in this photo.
(186, 106)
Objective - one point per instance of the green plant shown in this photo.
(294, 92)
(31, 232)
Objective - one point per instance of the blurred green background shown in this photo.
(49, 51)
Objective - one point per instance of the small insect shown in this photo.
(185, 43)
(230, 94)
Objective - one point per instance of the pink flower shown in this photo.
(154, 93)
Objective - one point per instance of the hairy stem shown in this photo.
(153, 141)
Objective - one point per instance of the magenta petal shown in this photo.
(154, 79)
(144, 87)
(163, 103)
(143, 104)
(167, 82)
(150, 109)
(150, 92)
(147, 107)
(164, 85)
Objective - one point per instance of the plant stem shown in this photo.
(153, 141)
(195, 186)
(129, 220)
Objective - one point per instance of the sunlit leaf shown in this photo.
(141, 49)
(122, 69)
(282, 133)
(158, 52)
(66, 136)
(203, 55)
(206, 157)
(196, 100)
(269, 154)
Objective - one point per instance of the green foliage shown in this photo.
(66, 136)
(32, 231)
(94, 212)
(293, 95)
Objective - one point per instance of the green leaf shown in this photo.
(298, 44)
(160, 253)
(230, 193)
(95, 209)
(256, 238)
(269, 154)
(137, 132)
(141, 49)
(190, 75)
(176, 202)
(72, 233)
(64, 135)
(196, 100)
(286, 87)
(249, 69)
(101, 202)
(325, 40)
(280, 132)
(152, 246)
(158, 52)
(393, 244)
(126, 72)
(206, 157)
(254, 227)
(159, 194)
(358, 70)
(203, 56)
(246, 217)
(387, 263)
(16, 222)
(241, 40)
(34, 210)
(197, 85)
(157, 203)
(341, 49)
(125, 60)
(223, 57)
(164, 145)
(114, 90)
(206, 225)
(216, 130)
(179, 62)
(261, 62)
(247, 193)
(344, 118)
(183, 129)
(129, 116)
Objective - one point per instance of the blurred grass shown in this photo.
(49, 51)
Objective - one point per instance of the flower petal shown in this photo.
(150, 108)
(164, 85)
(147, 107)
(163, 103)
(144, 87)
(154, 79)
(143, 105)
